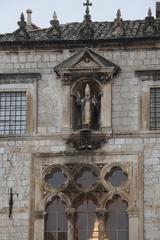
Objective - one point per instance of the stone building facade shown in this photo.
(48, 153)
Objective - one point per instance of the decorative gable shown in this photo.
(88, 62)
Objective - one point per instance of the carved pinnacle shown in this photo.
(149, 12)
(119, 14)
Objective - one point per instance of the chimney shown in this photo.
(158, 9)
(29, 17)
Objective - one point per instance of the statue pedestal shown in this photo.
(87, 139)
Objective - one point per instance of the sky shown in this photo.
(70, 11)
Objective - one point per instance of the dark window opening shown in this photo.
(86, 178)
(117, 222)
(87, 226)
(155, 109)
(13, 106)
(56, 178)
(56, 224)
(116, 177)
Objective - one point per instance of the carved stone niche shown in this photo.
(86, 78)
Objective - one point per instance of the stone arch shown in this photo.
(82, 81)
(80, 197)
(49, 198)
(110, 196)
(116, 217)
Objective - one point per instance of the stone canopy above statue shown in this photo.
(88, 63)
(86, 78)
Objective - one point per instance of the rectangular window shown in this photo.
(155, 109)
(13, 107)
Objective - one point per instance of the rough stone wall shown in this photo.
(16, 154)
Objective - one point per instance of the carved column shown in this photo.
(70, 212)
(133, 223)
(106, 108)
(66, 121)
(101, 214)
(39, 225)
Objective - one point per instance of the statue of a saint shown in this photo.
(87, 103)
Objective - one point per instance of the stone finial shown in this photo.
(117, 29)
(149, 28)
(149, 12)
(22, 23)
(118, 18)
(149, 17)
(118, 14)
(54, 22)
(21, 33)
(54, 31)
(29, 17)
(54, 16)
(86, 30)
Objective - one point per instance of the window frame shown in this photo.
(116, 213)
(43, 195)
(23, 83)
(13, 109)
(155, 118)
(148, 79)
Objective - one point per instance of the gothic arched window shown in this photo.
(117, 222)
(80, 207)
(56, 224)
(86, 224)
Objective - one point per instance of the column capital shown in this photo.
(40, 214)
(70, 212)
(133, 212)
(101, 212)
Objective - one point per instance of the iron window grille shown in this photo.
(13, 106)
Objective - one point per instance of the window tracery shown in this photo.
(85, 201)
(116, 177)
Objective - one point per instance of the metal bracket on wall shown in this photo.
(11, 201)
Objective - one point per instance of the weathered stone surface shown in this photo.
(127, 137)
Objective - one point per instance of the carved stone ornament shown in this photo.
(22, 33)
(54, 32)
(124, 189)
(88, 63)
(117, 28)
(40, 214)
(149, 26)
(86, 30)
(78, 171)
(50, 170)
(70, 212)
(86, 139)
(86, 72)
